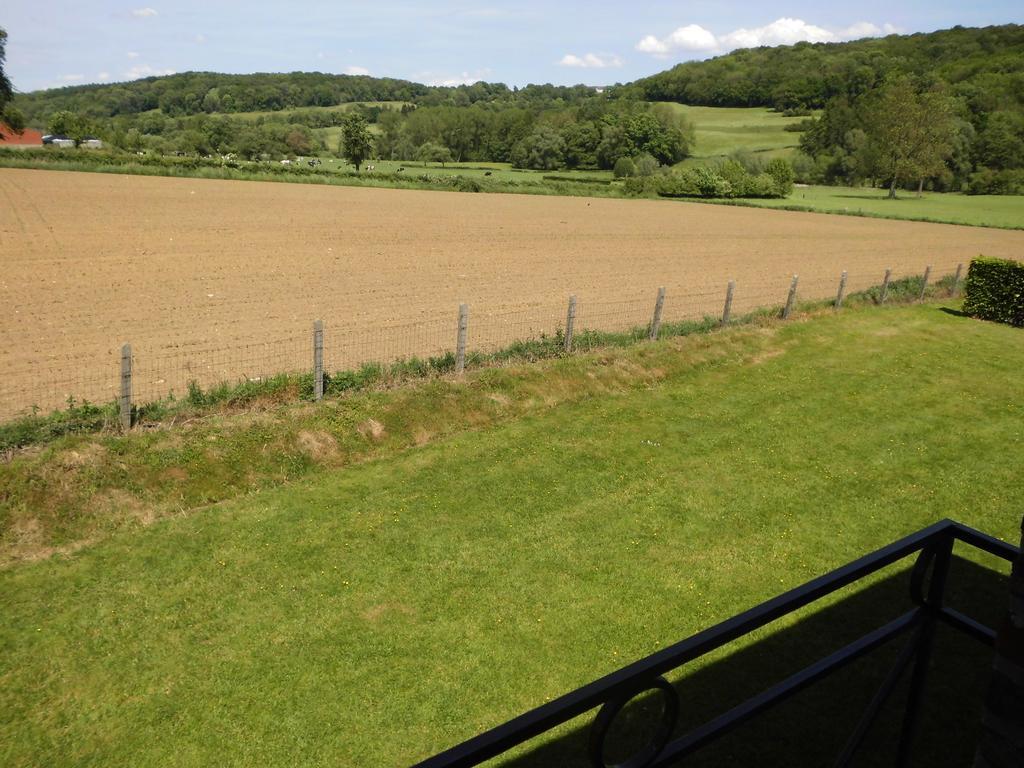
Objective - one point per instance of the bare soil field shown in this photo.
(217, 280)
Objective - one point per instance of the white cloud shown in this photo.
(71, 78)
(103, 76)
(132, 55)
(354, 70)
(143, 13)
(784, 31)
(694, 38)
(448, 81)
(651, 44)
(144, 70)
(590, 61)
(860, 29)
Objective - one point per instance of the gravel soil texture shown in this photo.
(212, 280)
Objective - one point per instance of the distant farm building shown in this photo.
(63, 142)
(58, 141)
(27, 138)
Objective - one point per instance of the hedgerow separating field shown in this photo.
(189, 268)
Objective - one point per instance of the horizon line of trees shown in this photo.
(195, 93)
(592, 134)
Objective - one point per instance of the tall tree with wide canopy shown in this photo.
(356, 140)
(912, 132)
(9, 115)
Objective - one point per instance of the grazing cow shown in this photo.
(487, 173)
(401, 169)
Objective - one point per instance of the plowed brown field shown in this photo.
(221, 279)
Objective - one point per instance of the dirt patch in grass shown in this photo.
(372, 430)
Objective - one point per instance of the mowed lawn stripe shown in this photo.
(375, 615)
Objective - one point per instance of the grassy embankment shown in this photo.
(493, 543)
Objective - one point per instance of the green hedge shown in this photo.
(994, 290)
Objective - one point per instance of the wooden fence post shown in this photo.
(924, 283)
(728, 302)
(656, 320)
(460, 342)
(125, 401)
(956, 279)
(885, 287)
(842, 290)
(570, 322)
(318, 360)
(791, 299)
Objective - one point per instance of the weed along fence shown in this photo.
(330, 356)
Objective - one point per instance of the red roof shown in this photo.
(27, 138)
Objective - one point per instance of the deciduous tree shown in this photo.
(356, 142)
(8, 114)
(431, 152)
(912, 132)
(70, 124)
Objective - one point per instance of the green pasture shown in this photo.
(1005, 211)
(588, 511)
(723, 130)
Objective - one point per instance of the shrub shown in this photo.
(989, 182)
(677, 184)
(639, 185)
(468, 184)
(646, 165)
(762, 185)
(994, 290)
(782, 172)
(751, 163)
(710, 184)
(624, 168)
(736, 176)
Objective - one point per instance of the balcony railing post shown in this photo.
(942, 552)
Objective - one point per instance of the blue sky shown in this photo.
(68, 43)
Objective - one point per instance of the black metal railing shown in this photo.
(614, 691)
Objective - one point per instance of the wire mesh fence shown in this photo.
(430, 340)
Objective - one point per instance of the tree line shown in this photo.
(196, 93)
(591, 133)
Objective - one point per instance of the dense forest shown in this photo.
(977, 73)
(983, 66)
(195, 93)
(969, 82)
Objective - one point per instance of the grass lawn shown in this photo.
(377, 614)
(978, 210)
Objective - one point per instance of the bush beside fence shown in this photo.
(994, 290)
